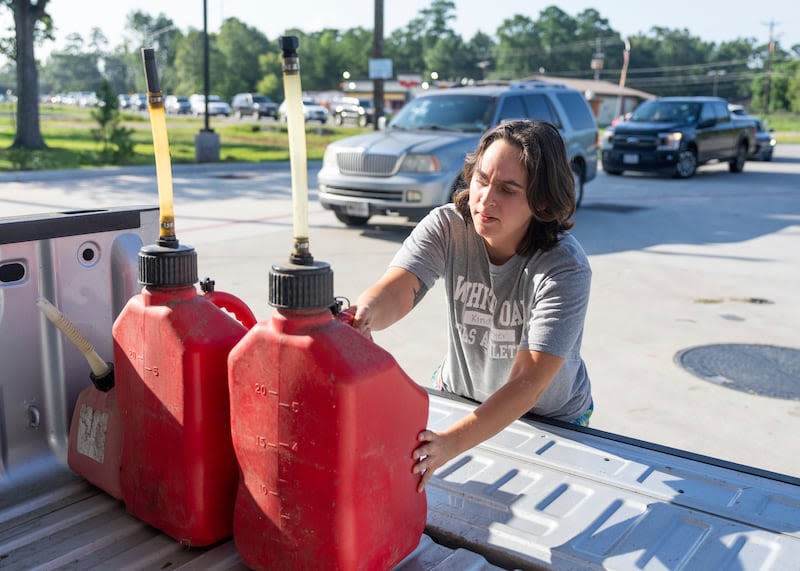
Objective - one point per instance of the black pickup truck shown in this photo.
(675, 135)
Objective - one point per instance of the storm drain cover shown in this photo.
(757, 369)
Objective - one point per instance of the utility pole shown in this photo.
(377, 86)
(597, 58)
(768, 74)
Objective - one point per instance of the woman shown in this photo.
(517, 287)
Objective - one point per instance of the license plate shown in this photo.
(630, 158)
(357, 208)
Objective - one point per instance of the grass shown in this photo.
(67, 131)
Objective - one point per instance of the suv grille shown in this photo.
(366, 164)
(392, 195)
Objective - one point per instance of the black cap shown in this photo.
(289, 45)
(294, 286)
(161, 266)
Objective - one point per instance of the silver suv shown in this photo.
(415, 164)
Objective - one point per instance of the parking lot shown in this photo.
(686, 274)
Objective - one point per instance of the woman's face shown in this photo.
(497, 200)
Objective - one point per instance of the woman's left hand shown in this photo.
(436, 450)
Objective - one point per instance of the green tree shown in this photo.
(518, 52)
(240, 46)
(271, 82)
(189, 64)
(75, 68)
(159, 32)
(31, 23)
(116, 144)
(480, 49)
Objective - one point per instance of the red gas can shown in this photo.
(95, 438)
(170, 350)
(324, 423)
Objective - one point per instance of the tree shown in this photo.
(240, 45)
(116, 144)
(30, 22)
(518, 50)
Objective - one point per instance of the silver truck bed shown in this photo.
(538, 495)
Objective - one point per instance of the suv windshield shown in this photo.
(457, 112)
(666, 112)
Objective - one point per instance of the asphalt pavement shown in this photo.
(692, 336)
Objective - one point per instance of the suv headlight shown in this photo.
(329, 158)
(420, 163)
(669, 141)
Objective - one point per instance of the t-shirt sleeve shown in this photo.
(556, 319)
(423, 253)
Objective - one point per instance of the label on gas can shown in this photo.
(92, 426)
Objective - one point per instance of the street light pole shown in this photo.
(626, 57)
(715, 75)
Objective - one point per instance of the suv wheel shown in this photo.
(350, 220)
(362, 121)
(239, 114)
(338, 120)
(577, 176)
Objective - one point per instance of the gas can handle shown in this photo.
(230, 303)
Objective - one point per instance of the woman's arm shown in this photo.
(530, 375)
(387, 301)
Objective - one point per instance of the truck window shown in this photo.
(721, 111)
(707, 113)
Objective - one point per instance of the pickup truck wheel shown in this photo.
(349, 220)
(577, 176)
(687, 164)
(362, 121)
(737, 164)
(337, 119)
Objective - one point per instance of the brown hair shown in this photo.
(551, 188)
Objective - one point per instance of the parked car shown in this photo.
(216, 106)
(137, 101)
(312, 111)
(415, 164)
(359, 111)
(245, 104)
(765, 143)
(177, 104)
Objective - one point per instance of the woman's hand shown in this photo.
(435, 451)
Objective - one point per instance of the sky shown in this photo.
(710, 20)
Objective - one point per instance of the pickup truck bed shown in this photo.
(539, 495)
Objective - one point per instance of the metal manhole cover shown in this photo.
(757, 369)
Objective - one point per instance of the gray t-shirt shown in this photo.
(535, 302)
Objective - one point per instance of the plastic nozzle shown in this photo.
(98, 366)
(158, 124)
(150, 70)
(288, 45)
